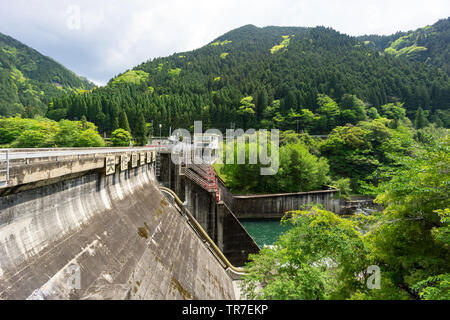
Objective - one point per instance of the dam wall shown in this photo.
(236, 243)
(70, 231)
(196, 188)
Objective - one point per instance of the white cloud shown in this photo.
(115, 35)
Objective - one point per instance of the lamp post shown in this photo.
(160, 126)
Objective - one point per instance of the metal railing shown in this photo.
(56, 152)
(199, 229)
(4, 169)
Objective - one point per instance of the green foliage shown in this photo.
(329, 112)
(343, 185)
(123, 121)
(401, 47)
(361, 152)
(141, 131)
(326, 257)
(299, 170)
(393, 111)
(247, 111)
(420, 120)
(174, 72)
(442, 233)
(429, 44)
(121, 138)
(429, 134)
(34, 139)
(69, 132)
(132, 77)
(44, 133)
(289, 88)
(372, 113)
(353, 109)
(89, 138)
(29, 80)
(411, 242)
(317, 259)
(434, 288)
(221, 43)
(283, 45)
(244, 178)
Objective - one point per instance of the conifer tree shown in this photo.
(123, 121)
(261, 102)
(420, 121)
(115, 124)
(141, 136)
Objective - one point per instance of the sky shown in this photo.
(103, 38)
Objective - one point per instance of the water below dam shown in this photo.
(267, 231)
(264, 231)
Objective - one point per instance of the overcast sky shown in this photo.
(102, 38)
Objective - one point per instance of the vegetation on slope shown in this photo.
(408, 243)
(29, 80)
(299, 169)
(16, 132)
(289, 89)
(430, 44)
(353, 157)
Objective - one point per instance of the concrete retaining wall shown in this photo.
(235, 242)
(274, 206)
(126, 239)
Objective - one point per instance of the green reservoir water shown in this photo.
(264, 232)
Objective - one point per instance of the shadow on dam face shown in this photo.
(125, 240)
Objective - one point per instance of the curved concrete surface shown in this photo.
(121, 236)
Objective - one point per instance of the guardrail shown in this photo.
(199, 229)
(5, 170)
(11, 158)
(47, 153)
(204, 176)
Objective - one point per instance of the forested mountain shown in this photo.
(310, 79)
(29, 80)
(430, 44)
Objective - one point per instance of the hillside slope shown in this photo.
(261, 77)
(29, 80)
(430, 44)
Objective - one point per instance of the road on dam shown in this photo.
(44, 153)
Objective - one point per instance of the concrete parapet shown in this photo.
(274, 206)
(40, 165)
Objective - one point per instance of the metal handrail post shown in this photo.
(7, 166)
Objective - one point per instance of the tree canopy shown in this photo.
(320, 80)
(44, 133)
(325, 256)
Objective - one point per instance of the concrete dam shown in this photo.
(125, 223)
(94, 224)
